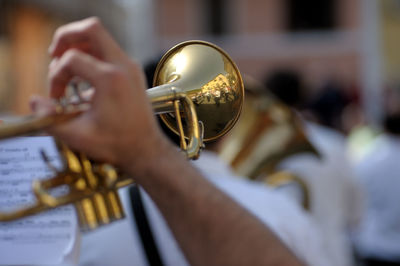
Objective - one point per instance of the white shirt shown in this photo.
(119, 244)
(379, 172)
(335, 195)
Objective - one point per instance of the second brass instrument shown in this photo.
(198, 91)
(267, 132)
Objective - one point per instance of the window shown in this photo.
(216, 16)
(310, 15)
(3, 18)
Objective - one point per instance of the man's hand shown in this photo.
(90, 37)
(120, 122)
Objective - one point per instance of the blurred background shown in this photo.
(348, 44)
(341, 55)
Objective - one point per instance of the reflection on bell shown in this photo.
(207, 75)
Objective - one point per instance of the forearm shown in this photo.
(210, 227)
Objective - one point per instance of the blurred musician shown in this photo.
(335, 195)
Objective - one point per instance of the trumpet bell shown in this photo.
(212, 81)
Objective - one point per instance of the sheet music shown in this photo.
(44, 239)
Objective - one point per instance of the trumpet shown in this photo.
(198, 93)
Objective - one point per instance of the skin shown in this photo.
(120, 128)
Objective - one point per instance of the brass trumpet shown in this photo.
(198, 92)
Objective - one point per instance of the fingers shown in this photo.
(90, 37)
(86, 51)
(75, 63)
(81, 134)
(87, 35)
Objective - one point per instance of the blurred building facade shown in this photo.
(26, 30)
(390, 28)
(321, 39)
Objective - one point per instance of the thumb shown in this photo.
(42, 106)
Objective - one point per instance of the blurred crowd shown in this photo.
(353, 185)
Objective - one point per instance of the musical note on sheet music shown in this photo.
(41, 239)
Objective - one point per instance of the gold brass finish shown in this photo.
(266, 133)
(199, 92)
(211, 80)
(282, 178)
(91, 189)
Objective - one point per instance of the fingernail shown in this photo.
(53, 63)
